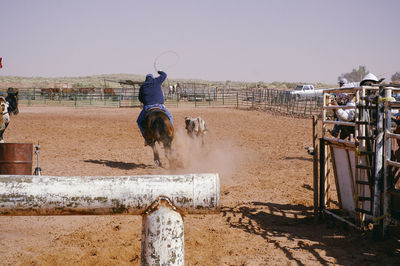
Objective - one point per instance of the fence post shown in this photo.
(237, 99)
(120, 98)
(163, 235)
(322, 166)
(195, 97)
(29, 98)
(315, 165)
(305, 107)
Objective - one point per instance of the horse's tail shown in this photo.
(159, 128)
(162, 131)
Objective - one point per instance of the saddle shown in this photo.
(154, 110)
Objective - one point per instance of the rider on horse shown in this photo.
(151, 95)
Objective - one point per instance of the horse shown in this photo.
(158, 128)
(9, 105)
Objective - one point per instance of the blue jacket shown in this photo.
(151, 92)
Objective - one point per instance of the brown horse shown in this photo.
(158, 128)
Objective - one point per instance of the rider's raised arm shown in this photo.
(160, 79)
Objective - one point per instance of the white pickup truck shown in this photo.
(305, 91)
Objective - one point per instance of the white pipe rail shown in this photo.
(162, 200)
(102, 195)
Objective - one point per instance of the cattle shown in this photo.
(68, 93)
(4, 115)
(108, 93)
(51, 93)
(85, 91)
(196, 127)
(8, 105)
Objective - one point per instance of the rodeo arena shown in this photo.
(254, 176)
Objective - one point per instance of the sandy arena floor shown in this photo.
(266, 192)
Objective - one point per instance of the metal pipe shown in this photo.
(334, 107)
(393, 163)
(391, 135)
(386, 171)
(339, 123)
(163, 235)
(339, 141)
(341, 219)
(379, 145)
(62, 195)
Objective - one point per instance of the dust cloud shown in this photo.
(189, 155)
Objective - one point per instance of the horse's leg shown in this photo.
(167, 149)
(156, 155)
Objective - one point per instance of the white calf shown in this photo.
(196, 127)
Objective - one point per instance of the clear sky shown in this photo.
(240, 40)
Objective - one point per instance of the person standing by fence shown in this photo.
(342, 99)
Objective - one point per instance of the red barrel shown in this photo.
(16, 158)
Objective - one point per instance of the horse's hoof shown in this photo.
(158, 163)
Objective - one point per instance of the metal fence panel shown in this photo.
(266, 99)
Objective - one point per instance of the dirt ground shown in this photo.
(266, 192)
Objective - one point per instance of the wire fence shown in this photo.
(267, 99)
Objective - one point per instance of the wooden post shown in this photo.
(321, 176)
(315, 165)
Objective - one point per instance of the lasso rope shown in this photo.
(156, 68)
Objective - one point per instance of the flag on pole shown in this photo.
(0, 62)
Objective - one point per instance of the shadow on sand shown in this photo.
(327, 244)
(120, 165)
(299, 158)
